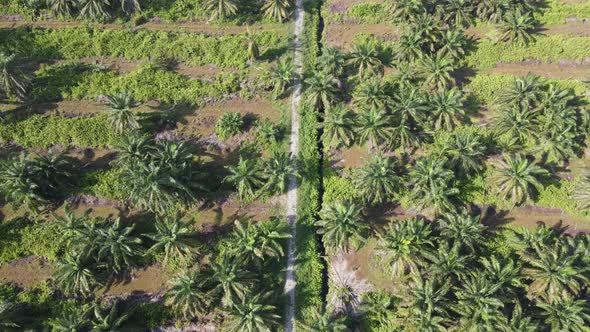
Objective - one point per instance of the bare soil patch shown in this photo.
(365, 263)
(559, 70)
(350, 157)
(578, 28)
(342, 6)
(150, 280)
(226, 211)
(532, 216)
(25, 272)
(342, 34)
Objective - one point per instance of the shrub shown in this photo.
(105, 184)
(228, 125)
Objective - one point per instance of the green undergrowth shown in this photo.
(194, 49)
(365, 12)
(545, 48)
(21, 237)
(557, 12)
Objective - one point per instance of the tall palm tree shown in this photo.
(425, 306)
(331, 61)
(372, 94)
(62, 8)
(339, 126)
(519, 322)
(437, 70)
(517, 178)
(282, 77)
(566, 314)
(373, 127)
(173, 237)
(119, 112)
(377, 180)
(246, 176)
(94, 9)
(517, 27)
(232, 282)
(446, 262)
(221, 9)
(252, 315)
(111, 319)
(410, 46)
(403, 243)
(454, 42)
(74, 276)
(525, 91)
(116, 245)
(478, 304)
(342, 226)
(365, 58)
(432, 186)
(277, 170)
(12, 79)
(188, 295)
(506, 272)
(446, 108)
(277, 9)
(458, 12)
(255, 243)
(464, 150)
(464, 230)
(517, 122)
(322, 89)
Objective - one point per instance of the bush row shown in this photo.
(194, 49)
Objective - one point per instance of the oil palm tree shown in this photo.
(9, 315)
(566, 314)
(12, 79)
(339, 126)
(255, 243)
(464, 150)
(518, 123)
(119, 112)
(282, 77)
(458, 12)
(341, 226)
(582, 192)
(188, 294)
(365, 58)
(322, 89)
(377, 180)
(232, 282)
(174, 238)
(466, 232)
(62, 8)
(252, 49)
(410, 46)
(446, 109)
(76, 320)
(424, 307)
(372, 94)
(478, 305)
(517, 27)
(252, 314)
(111, 319)
(74, 275)
(116, 245)
(246, 176)
(373, 127)
(133, 149)
(506, 272)
(516, 178)
(332, 61)
(454, 42)
(221, 9)
(525, 91)
(403, 243)
(277, 170)
(94, 9)
(437, 70)
(432, 186)
(326, 322)
(446, 262)
(519, 322)
(277, 9)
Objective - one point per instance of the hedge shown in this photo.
(194, 49)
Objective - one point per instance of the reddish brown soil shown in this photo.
(571, 29)
(227, 211)
(530, 217)
(25, 272)
(351, 157)
(366, 265)
(566, 71)
(150, 280)
(342, 34)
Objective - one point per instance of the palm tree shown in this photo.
(517, 27)
(341, 226)
(410, 46)
(12, 79)
(566, 314)
(94, 9)
(322, 89)
(331, 61)
(62, 8)
(252, 49)
(116, 245)
(257, 242)
(403, 243)
(365, 58)
(525, 92)
(458, 12)
(553, 271)
(232, 282)
(188, 295)
(517, 122)
(582, 192)
(464, 230)
(9, 314)
(505, 272)
(432, 186)
(173, 237)
(377, 180)
(446, 262)
(246, 177)
(464, 150)
(373, 127)
(446, 109)
(133, 148)
(326, 322)
(277, 170)
(478, 305)
(109, 320)
(252, 315)
(221, 9)
(339, 126)
(424, 307)
(282, 76)
(77, 320)
(437, 70)
(74, 276)
(516, 178)
(277, 9)
(454, 43)
(520, 322)
(372, 94)
(119, 112)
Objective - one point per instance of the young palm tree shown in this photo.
(432, 186)
(516, 178)
(446, 109)
(582, 192)
(277, 9)
(188, 295)
(246, 176)
(173, 237)
(116, 245)
(478, 305)
(372, 94)
(425, 306)
(373, 127)
(277, 170)
(232, 282)
(517, 27)
(77, 320)
(221, 9)
(94, 9)
(342, 226)
(525, 92)
(282, 77)
(254, 243)
(464, 150)
(106, 320)
(252, 49)
(133, 149)
(326, 322)
(365, 58)
(322, 89)
(403, 243)
(9, 315)
(252, 315)
(119, 112)
(74, 276)
(331, 61)
(339, 126)
(437, 70)
(454, 43)
(464, 230)
(446, 262)
(12, 79)
(566, 314)
(377, 180)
